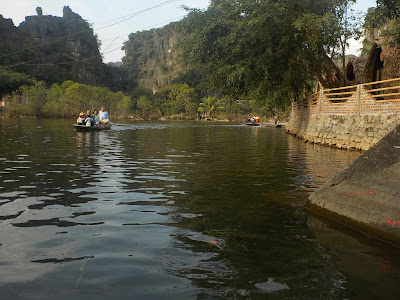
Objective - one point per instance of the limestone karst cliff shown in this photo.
(63, 47)
(54, 49)
(152, 58)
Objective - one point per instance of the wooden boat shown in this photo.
(251, 124)
(93, 128)
(254, 121)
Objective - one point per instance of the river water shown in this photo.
(176, 210)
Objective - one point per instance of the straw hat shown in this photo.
(82, 114)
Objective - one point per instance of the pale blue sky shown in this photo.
(105, 12)
(361, 5)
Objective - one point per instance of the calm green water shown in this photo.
(175, 211)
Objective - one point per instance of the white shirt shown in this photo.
(103, 115)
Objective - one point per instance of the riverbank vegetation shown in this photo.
(178, 101)
(64, 100)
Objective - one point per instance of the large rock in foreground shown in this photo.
(366, 195)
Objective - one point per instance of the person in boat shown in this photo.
(89, 121)
(103, 116)
(96, 117)
(81, 119)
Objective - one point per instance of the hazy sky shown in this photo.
(105, 12)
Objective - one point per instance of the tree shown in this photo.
(191, 109)
(144, 104)
(389, 8)
(207, 106)
(125, 105)
(268, 50)
(386, 17)
(181, 93)
(35, 98)
(10, 81)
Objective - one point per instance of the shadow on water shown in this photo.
(371, 268)
(174, 210)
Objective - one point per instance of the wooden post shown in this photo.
(321, 92)
(359, 87)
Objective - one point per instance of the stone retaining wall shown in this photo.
(358, 123)
(343, 131)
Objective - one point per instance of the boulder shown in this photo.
(366, 195)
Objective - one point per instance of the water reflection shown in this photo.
(371, 268)
(312, 164)
(171, 210)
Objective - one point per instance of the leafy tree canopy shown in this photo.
(268, 50)
(11, 81)
(386, 16)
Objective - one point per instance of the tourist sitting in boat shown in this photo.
(96, 117)
(103, 116)
(89, 121)
(81, 119)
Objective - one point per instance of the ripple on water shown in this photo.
(271, 286)
(10, 180)
(53, 222)
(13, 194)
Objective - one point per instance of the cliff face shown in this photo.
(12, 40)
(63, 46)
(55, 49)
(151, 58)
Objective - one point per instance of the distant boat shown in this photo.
(251, 124)
(93, 128)
(254, 121)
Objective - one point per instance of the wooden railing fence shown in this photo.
(379, 92)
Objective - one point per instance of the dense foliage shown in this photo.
(268, 50)
(271, 51)
(179, 101)
(10, 81)
(65, 100)
(385, 16)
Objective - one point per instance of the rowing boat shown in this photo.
(93, 128)
(251, 124)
